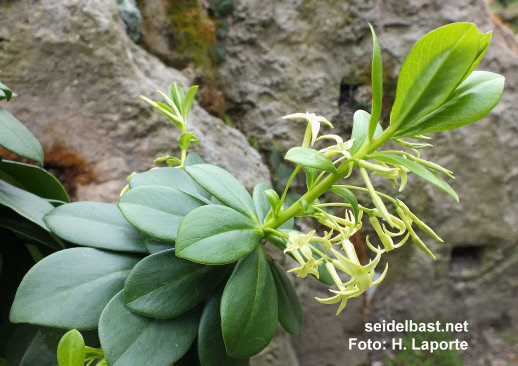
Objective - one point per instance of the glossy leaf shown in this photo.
(224, 186)
(435, 66)
(33, 179)
(418, 169)
(470, 102)
(377, 85)
(70, 288)
(310, 158)
(291, 315)
(249, 309)
(28, 205)
(157, 211)
(361, 121)
(169, 177)
(211, 347)
(351, 198)
(71, 349)
(130, 339)
(95, 224)
(161, 285)
(15, 137)
(216, 234)
(485, 39)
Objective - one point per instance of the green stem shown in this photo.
(339, 204)
(331, 179)
(183, 156)
(366, 190)
(293, 175)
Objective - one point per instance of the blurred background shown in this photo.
(79, 68)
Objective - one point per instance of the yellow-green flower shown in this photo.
(313, 120)
(297, 241)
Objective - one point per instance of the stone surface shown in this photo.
(79, 78)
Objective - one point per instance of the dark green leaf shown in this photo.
(417, 169)
(224, 186)
(70, 288)
(323, 275)
(377, 85)
(351, 198)
(249, 309)
(310, 158)
(28, 205)
(290, 309)
(470, 102)
(27, 348)
(190, 358)
(435, 66)
(27, 230)
(157, 211)
(169, 177)
(71, 349)
(211, 347)
(361, 121)
(311, 176)
(33, 179)
(95, 224)
(5, 92)
(15, 137)
(130, 339)
(161, 285)
(154, 246)
(216, 234)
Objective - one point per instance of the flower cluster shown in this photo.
(334, 253)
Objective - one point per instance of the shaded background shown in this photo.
(79, 68)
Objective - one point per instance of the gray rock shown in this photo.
(79, 78)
